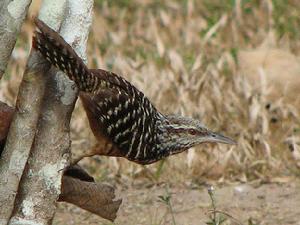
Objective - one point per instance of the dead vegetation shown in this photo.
(186, 58)
(189, 58)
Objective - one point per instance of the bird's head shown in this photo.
(180, 133)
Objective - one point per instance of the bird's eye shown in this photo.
(192, 131)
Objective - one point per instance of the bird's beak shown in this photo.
(219, 138)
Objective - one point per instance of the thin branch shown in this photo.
(12, 15)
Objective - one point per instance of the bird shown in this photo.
(118, 112)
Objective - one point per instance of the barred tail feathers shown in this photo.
(60, 54)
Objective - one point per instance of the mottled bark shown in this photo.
(39, 134)
(12, 14)
(41, 182)
(78, 187)
(23, 127)
(20, 137)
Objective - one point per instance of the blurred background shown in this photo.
(232, 64)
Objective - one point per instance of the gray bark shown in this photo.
(41, 182)
(39, 134)
(21, 133)
(23, 127)
(78, 187)
(12, 14)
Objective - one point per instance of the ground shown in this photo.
(275, 203)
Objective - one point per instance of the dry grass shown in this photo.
(184, 55)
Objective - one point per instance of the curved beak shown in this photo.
(219, 138)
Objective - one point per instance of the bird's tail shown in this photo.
(60, 54)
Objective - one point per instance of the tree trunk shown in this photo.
(48, 146)
(78, 187)
(41, 181)
(23, 127)
(12, 14)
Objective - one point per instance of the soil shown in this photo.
(275, 203)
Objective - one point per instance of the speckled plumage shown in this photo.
(120, 112)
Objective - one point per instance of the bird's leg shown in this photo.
(102, 147)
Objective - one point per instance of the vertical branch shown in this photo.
(12, 14)
(78, 187)
(41, 181)
(23, 127)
